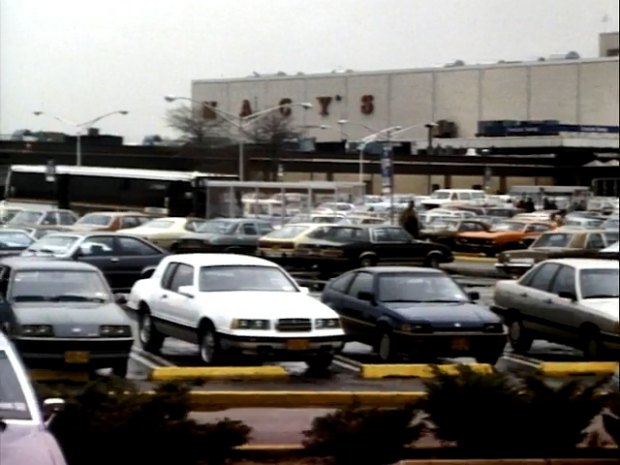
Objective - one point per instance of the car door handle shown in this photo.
(114, 260)
(523, 294)
(164, 296)
(548, 301)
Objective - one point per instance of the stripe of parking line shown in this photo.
(531, 362)
(160, 361)
(347, 363)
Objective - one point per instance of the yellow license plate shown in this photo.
(460, 343)
(297, 344)
(77, 357)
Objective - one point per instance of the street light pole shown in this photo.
(79, 128)
(239, 122)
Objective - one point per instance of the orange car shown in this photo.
(508, 235)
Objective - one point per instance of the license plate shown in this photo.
(77, 357)
(460, 343)
(527, 261)
(297, 344)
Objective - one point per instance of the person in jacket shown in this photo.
(409, 220)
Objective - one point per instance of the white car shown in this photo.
(569, 301)
(234, 304)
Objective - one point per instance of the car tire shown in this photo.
(433, 261)
(591, 344)
(385, 347)
(120, 368)
(209, 347)
(320, 363)
(519, 339)
(367, 261)
(149, 337)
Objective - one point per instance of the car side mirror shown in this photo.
(120, 299)
(187, 291)
(366, 296)
(51, 407)
(473, 295)
(567, 295)
(147, 273)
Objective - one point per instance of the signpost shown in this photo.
(387, 176)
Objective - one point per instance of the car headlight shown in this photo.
(250, 324)
(416, 328)
(327, 323)
(114, 330)
(37, 330)
(493, 328)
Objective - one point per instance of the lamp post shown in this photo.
(368, 139)
(79, 128)
(240, 122)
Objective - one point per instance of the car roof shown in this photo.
(43, 263)
(586, 263)
(218, 259)
(115, 213)
(401, 269)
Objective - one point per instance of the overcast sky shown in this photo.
(79, 59)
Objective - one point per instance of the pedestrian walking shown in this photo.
(409, 220)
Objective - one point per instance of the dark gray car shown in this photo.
(62, 314)
(24, 438)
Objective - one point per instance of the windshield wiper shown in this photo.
(75, 298)
(29, 298)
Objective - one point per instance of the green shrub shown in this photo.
(369, 436)
(499, 415)
(111, 421)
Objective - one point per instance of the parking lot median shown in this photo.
(417, 370)
(204, 401)
(200, 373)
(561, 369)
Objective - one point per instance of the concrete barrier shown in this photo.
(197, 373)
(563, 369)
(205, 401)
(417, 370)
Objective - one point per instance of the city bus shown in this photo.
(90, 188)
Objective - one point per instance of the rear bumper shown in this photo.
(282, 348)
(73, 352)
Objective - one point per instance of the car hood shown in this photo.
(606, 307)
(22, 445)
(273, 305)
(467, 314)
(71, 319)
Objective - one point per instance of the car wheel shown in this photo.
(385, 347)
(519, 340)
(120, 369)
(367, 261)
(210, 349)
(320, 363)
(149, 337)
(591, 344)
(433, 261)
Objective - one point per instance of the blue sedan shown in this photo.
(418, 312)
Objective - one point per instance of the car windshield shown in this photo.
(26, 217)
(287, 232)
(553, 240)
(13, 404)
(244, 278)
(14, 239)
(440, 195)
(53, 244)
(216, 227)
(508, 226)
(416, 287)
(95, 220)
(58, 286)
(599, 283)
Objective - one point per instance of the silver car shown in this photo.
(24, 438)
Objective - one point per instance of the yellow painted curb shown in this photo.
(192, 373)
(204, 401)
(577, 368)
(55, 375)
(474, 258)
(417, 370)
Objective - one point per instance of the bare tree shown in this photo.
(272, 131)
(204, 129)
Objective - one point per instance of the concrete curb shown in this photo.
(418, 370)
(465, 257)
(560, 369)
(473, 271)
(197, 373)
(57, 375)
(205, 401)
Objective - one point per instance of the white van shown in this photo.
(443, 196)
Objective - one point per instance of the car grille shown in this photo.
(294, 325)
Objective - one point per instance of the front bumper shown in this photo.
(450, 344)
(283, 348)
(52, 352)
